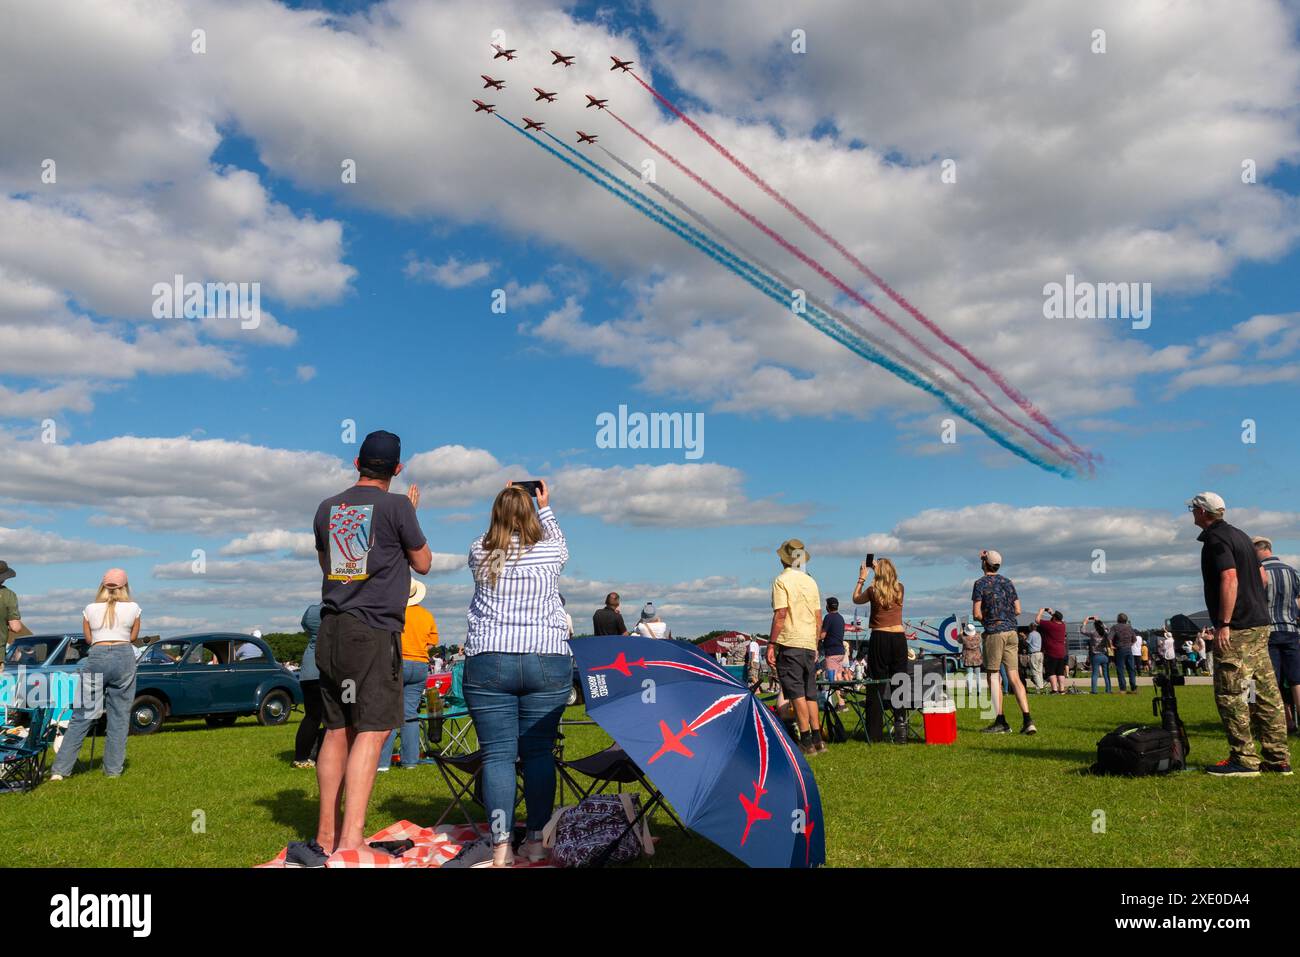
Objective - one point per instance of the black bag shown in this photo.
(834, 731)
(1138, 750)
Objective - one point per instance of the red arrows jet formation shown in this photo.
(559, 59)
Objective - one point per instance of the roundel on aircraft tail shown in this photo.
(950, 634)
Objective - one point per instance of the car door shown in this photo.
(195, 677)
(252, 667)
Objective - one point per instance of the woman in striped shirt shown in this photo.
(518, 667)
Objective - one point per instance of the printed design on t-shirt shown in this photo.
(349, 533)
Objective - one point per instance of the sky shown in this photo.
(472, 292)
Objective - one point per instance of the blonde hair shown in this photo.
(110, 598)
(512, 530)
(887, 589)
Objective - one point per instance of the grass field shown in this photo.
(1002, 800)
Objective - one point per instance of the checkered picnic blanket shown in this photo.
(433, 847)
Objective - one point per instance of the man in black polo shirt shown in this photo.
(1245, 689)
(608, 620)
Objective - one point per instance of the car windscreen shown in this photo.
(32, 651)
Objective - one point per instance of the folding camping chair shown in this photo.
(464, 775)
(23, 755)
(612, 766)
(455, 722)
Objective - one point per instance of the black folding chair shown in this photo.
(612, 767)
(464, 776)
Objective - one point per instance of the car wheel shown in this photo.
(575, 696)
(146, 714)
(275, 707)
(220, 720)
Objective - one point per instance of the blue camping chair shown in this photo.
(24, 751)
(456, 723)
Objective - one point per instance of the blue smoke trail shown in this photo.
(741, 254)
(703, 244)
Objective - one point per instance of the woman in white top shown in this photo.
(650, 626)
(106, 676)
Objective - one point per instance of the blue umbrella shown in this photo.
(719, 755)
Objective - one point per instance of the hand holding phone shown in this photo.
(531, 486)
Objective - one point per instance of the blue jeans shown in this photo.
(114, 665)
(415, 675)
(516, 701)
(1101, 662)
(1124, 660)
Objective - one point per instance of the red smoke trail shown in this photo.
(1012, 392)
(832, 278)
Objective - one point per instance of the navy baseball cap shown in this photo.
(381, 446)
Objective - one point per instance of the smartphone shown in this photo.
(871, 559)
(531, 486)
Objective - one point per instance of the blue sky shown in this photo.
(802, 439)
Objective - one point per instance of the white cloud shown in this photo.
(673, 495)
(39, 547)
(452, 274)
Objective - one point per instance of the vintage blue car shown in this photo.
(215, 676)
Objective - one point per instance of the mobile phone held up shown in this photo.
(531, 486)
(871, 559)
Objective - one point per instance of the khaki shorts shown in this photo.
(1001, 648)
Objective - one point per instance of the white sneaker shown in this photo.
(533, 852)
(56, 777)
(479, 854)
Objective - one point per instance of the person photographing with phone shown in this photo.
(887, 652)
(518, 666)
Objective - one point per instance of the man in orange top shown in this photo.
(419, 634)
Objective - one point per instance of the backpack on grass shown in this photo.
(1138, 750)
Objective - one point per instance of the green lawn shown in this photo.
(988, 800)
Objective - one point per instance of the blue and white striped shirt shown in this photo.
(1283, 587)
(521, 613)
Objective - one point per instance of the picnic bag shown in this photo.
(1138, 750)
(598, 830)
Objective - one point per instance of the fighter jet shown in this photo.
(599, 104)
(543, 95)
(481, 107)
(494, 84)
(624, 65)
(501, 52)
(530, 124)
(586, 137)
(561, 58)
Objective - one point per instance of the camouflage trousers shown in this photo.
(1247, 695)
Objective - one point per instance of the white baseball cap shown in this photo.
(992, 557)
(1210, 502)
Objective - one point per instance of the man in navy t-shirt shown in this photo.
(832, 635)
